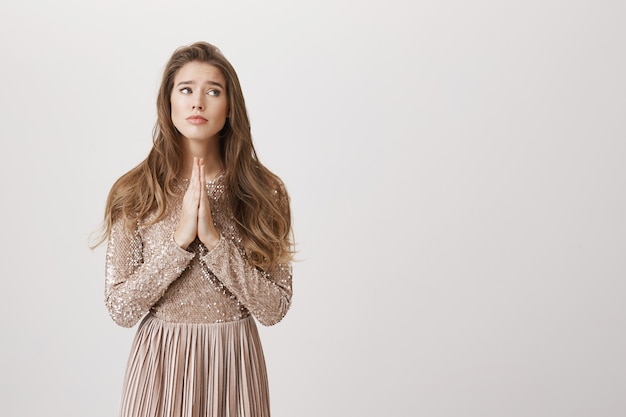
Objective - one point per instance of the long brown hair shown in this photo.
(257, 196)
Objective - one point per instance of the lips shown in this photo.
(196, 120)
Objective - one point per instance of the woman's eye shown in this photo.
(213, 93)
(185, 90)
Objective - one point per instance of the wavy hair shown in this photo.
(257, 197)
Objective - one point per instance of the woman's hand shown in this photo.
(207, 233)
(195, 216)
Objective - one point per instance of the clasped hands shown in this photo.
(195, 216)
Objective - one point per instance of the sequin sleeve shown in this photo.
(266, 294)
(134, 283)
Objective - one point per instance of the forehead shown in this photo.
(199, 72)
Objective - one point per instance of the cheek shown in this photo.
(177, 109)
(175, 113)
(173, 105)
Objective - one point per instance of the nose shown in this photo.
(198, 103)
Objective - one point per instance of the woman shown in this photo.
(199, 242)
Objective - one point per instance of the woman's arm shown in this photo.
(132, 284)
(266, 294)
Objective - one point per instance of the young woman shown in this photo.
(199, 243)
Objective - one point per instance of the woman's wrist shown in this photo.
(184, 244)
(211, 241)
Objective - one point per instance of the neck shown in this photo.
(209, 151)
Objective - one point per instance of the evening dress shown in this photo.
(197, 350)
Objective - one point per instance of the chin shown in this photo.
(195, 136)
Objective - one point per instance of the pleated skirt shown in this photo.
(207, 370)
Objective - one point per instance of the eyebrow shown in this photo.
(207, 82)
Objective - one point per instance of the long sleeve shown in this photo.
(266, 294)
(133, 284)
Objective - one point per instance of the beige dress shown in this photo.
(197, 351)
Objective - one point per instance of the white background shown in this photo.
(457, 172)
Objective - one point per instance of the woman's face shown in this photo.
(199, 101)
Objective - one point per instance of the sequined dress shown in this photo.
(196, 351)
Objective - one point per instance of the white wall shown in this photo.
(457, 172)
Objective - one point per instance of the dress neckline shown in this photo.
(213, 181)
